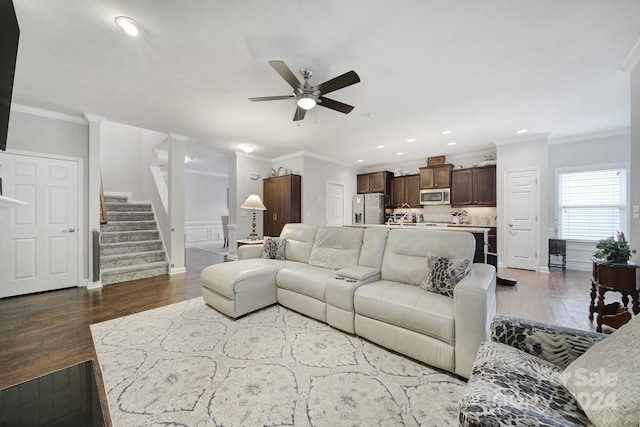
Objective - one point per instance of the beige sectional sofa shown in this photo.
(365, 281)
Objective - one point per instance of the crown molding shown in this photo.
(93, 118)
(632, 59)
(523, 138)
(48, 114)
(178, 137)
(221, 175)
(589, 136)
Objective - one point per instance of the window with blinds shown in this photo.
(591, 204)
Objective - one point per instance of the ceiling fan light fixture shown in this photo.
(128, 25)
(306, 101)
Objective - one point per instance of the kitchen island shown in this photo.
(480, 233)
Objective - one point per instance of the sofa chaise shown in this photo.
(370, 282)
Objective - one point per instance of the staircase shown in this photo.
(130, 245)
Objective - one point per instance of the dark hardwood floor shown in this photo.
(46, 332)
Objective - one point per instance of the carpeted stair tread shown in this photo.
(127, 259)
(130, 216)
(128, 226)
(128, 207)
(129, 236)
(107, 249)
(133, 272)
(115, 199)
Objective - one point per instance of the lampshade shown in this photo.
(253, 202)
(306, 101)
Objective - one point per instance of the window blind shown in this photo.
(591, 204)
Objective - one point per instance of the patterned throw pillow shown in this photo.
(273, 247)
(443, 274)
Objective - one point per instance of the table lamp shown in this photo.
(253, 202)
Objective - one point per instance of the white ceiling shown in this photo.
(482, 69)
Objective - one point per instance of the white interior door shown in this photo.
(40, 251)
(335, 204)
(521, 225)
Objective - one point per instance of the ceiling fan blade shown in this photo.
(284, 71)
(299, 115)
(271, 98)
(335, 105)
(346, 79)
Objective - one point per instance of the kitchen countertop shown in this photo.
(423, 226)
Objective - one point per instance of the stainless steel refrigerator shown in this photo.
(368, 208)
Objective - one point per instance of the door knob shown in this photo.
(70, 230)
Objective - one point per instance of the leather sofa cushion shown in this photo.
(408, 307)
(300, 238)
(230, 278)
(336, 247)
(373, 243)
(305, 279)
(406, 252)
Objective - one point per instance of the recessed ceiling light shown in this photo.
(451, 143)
(523, 131)
(359, 160)
(380, 146)
(128, 25)
(247, 148)
(411, 140)
(446, 132)
(399, 153)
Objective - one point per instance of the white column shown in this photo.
(95, 123)
(631, 65)
(177, 151)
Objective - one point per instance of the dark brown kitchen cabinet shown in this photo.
(405, 189)
(435, 177)
(473, 186)
(376, 182)
(282, 198)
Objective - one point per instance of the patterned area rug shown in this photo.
(187, 365)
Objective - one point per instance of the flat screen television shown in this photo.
(9, 34)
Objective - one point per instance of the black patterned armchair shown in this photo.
(517, 376)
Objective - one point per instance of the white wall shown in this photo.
(125, 156)
(601, 150)
(39, 131)
(634, 236)
(205, 202)
(240, 167)
(317, 172)
(524, 155)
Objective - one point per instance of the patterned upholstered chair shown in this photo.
(517, 378)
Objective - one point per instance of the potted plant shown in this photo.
(614, 250)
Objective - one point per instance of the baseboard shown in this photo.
(94, 285)
(178, 270)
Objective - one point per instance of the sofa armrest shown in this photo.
(474, 305)
(358, 272)
(249, 251)
(556, 344)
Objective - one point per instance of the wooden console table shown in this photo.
(613, 278)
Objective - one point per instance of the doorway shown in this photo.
(335, 204)
(521, 219)
(40, 249)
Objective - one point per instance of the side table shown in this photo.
(243, 242)
(613, 278)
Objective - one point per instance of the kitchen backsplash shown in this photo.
(443, 213)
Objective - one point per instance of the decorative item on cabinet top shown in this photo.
(436, 160)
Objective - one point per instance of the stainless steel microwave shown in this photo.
(436, 196)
